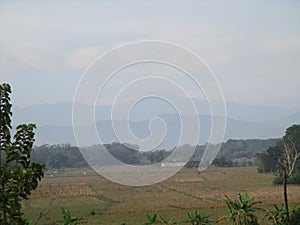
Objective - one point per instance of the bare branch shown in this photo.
(290, 154)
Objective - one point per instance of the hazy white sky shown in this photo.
(253, 47)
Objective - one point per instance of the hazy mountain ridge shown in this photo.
(60, 114)
(54, 122)
(236, 129)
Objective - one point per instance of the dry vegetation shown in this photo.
(188, 190)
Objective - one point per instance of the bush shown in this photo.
(18, 175)
(295, 216)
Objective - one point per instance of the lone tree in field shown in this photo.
(290, 155)
(18, 175)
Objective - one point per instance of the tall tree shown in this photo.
(18, 175)
(290, 155)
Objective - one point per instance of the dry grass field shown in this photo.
(100, 201)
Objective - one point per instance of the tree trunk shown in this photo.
(285, 196)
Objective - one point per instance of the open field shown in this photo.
(85, 195)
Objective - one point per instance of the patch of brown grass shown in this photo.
(186, 191)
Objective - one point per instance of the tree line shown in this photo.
(232, 153)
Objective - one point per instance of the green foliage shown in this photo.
(168, 222)
(68, 219)
(273, 160)
(293, 133)
(151, 219)
(269, 161)
(222, 162)
(242, 211)
(234, 152)
(18, 175)
(58, 156)
(154, 220)
(158, 156)
(278, 216)
(123, 152)
(67, 156)
(245, 148)
(294, 178)
(193, 219)
(197, 219)
(295, 215)
(290, 158)
(263, 162)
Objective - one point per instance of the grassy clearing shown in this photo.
(100, 201)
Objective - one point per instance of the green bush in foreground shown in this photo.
(242, 211)
(68, 219)
(18, 175)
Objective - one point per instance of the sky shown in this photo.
(253, 47)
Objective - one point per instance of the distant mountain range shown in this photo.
(54, 121)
